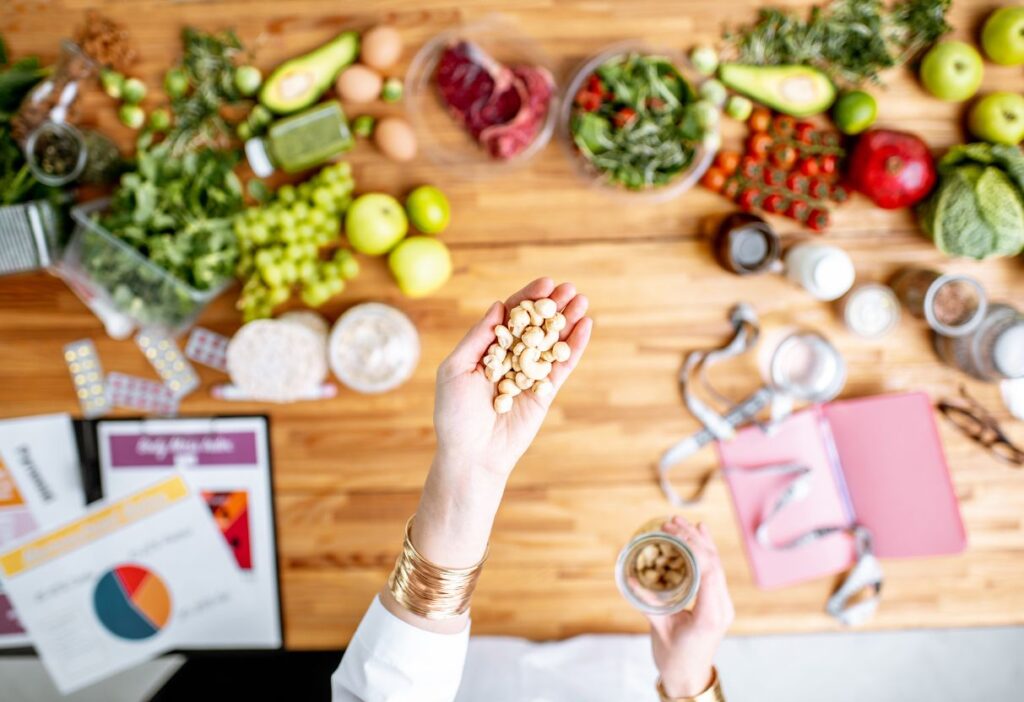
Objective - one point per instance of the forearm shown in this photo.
(451, 528)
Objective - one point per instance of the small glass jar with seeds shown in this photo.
(656, 571)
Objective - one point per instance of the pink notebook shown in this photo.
(875, 461)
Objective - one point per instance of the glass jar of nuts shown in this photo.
(656, 571)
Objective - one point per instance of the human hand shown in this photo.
(685, 643)
(469, 432)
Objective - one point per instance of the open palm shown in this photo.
(467, 425)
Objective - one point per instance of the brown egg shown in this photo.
(395, 139)
(359, 84)
(381, 47)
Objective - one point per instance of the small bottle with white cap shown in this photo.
(302, 141)
(826, 272)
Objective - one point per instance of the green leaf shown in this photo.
(1000, 205)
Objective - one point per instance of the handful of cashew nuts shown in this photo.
(524, 351)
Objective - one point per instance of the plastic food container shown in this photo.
(656, 601)
(121, 286)
(684, 180)
(446, 142)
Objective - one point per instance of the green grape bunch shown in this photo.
(282, 241)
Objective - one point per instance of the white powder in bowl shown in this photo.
(373, 348)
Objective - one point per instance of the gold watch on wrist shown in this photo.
(712, 694)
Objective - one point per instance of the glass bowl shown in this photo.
(684, 180)
(446, 142)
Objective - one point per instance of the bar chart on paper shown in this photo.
(132, 602)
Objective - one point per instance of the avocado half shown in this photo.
(799, 91)
(299, 82)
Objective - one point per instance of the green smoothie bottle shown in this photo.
(301, 141)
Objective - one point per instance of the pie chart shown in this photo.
(132, 602)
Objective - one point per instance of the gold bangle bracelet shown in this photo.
(712, 694)
(429, 590)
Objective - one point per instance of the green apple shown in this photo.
(998, 118)
(951, 71)
(428, 209)
(374, 223)
(1002, 37)
(421, 265)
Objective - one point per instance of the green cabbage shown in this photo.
(977, 210)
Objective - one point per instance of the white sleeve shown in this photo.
(389, 660)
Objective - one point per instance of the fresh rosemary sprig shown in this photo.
(851, 40)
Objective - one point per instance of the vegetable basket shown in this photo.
(121, 286)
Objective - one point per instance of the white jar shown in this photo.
(826, 272)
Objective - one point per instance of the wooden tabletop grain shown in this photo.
(348, 470)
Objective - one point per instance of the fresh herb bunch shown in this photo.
(209, 64)
(851, 40)
(16, 79)
(177, 212)
(635, 119)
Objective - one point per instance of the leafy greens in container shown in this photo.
(637, 121)
(977, 209)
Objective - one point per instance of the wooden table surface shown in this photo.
(348, 470)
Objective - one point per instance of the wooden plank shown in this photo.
(348, 470)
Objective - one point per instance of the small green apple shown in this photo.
(998, 118)
(952, 71)
(374, 223)
(421, 265)
(1002, 37)
(428, 209)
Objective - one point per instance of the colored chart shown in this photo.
(131, 602)
(231, 512)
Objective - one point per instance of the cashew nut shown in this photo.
(511, 375)
(518, 318)
(562, 351)
(504, 336)
(533, 336)
(532, 366)
(503, 403)
(497, 351)
(546, 308)
(527, 305)
(556, 323)
(516, 363)
(548, 341)
(547, 356)
(543, 388)
(523, 382)
(508, 387)
(518, 348)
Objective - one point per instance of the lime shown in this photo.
(428, 209)
(854, 112)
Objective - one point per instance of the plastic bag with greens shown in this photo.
(977, 209)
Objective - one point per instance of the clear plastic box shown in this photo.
(121, 286)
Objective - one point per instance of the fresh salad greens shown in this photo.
(16, 79)
(977, 210)
(850, 40)
(638, 121)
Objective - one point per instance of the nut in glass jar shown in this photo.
(656, 571)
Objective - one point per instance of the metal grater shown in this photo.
(28, 235)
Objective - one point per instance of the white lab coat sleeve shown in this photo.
(389, 660)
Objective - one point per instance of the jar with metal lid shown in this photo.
(53, 98)
(746, 244)
(952, 305)
(657, 572)
(994, 352)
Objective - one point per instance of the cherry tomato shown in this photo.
(809, 167)
(594, 84)
(817, 220)
(732, 188)
(750, 167)
(714, 179)
(829, 165)
(782, 125)
(748, 199)
(655, 103)
(758, 145)
(796, 183)
(624, 117)
(774, 177)
(773, 203)
(784, 156)
(818, 189)
(804, 132)
(759, 120)
(588, 101)
(728, 161)
(798, 210)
